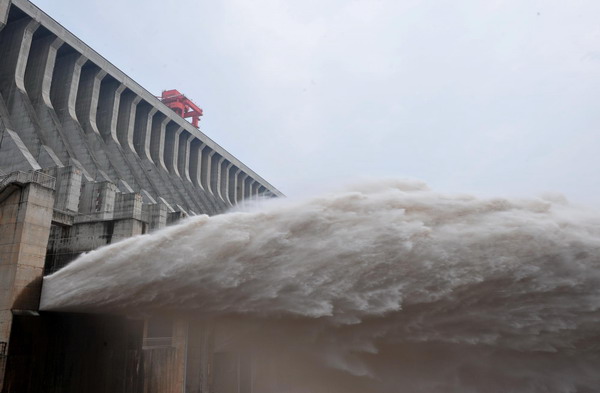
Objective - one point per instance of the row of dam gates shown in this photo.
(87, 158)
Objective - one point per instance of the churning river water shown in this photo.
(385, 287)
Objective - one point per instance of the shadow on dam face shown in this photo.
(59, 352)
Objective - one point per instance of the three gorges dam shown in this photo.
(118, 274)
(87, 158)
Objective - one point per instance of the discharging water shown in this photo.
(388, 287)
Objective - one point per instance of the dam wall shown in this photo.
(74, 353)
(62, 104)
(88, 157)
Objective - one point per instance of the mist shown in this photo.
(379, 286)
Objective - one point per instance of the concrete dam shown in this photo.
(87, 158)
(119, 274)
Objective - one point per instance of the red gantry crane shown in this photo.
(182, 105)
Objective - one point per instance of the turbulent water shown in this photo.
(387, 287)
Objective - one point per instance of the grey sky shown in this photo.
(487, 96)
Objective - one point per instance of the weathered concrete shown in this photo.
(97, 201)
(25, 217)
(165, 358)
(35, 75)
(233, 184)
(86, 107)
(4, 8)
(15, 42)
(200, 350)
(66, 105)
(68, 188)
(14, 155)
(61, 345)
(105, 160)
(155, 215)
(40, 77)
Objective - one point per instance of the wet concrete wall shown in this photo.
(71, 353)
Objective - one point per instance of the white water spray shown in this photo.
(389, 287)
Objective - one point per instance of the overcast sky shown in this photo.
(485, 96)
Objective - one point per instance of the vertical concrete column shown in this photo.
(126, 122)
(224, 183)
(202, 172)
(128, 206)
(248, 187)
(180, 341)
(196, 147)
(40, 66)
(209, 177)
(177, 159)
(68, 188)
(149, 139)
(41, 69)
(108, 109)
(143, 131)
(205, 159)
(100, 110)
(196, 162)
(97, 201)
(183, 156)
(119, 106)
(234, 173)
(215, 174)
(165, 356)
(241, 186)
(16, 112)
(87, 98)
(254, 189)
(261, 191)
(157, 150)
(205, 174)
(171, 157)
(140, 145)
(220, 177)
(15, 42)
(126, 228)
(157, 140)
(49, 64)
(25, 220)
(63, 93)
(35, 73)
(155, 214)
(199, 354)
(171, 150)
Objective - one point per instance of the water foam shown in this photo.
(383, 288)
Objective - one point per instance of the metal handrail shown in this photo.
(21, 177)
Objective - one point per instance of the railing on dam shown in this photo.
(20, 177)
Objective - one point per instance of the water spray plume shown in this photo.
(387, 287)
